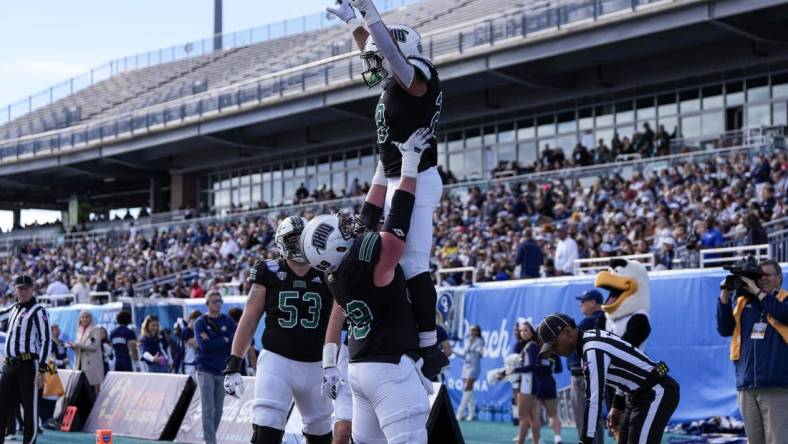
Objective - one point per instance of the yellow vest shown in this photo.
(781, 328)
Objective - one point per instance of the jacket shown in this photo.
(87, 355)
(762, 363)
(214, 351)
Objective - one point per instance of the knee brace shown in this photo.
(266, 435)
(319, 439)
(398, 221)
(424, 298)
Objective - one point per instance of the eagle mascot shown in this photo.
(628, 303)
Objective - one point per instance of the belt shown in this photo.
(24, 357)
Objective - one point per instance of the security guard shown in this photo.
(26, 351)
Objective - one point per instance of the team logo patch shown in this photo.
(320, 238)
(282, 275)
(273, 266)
(399, 232)
(317, 280)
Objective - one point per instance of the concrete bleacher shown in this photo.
(166, 82)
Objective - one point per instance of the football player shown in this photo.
(390, 401)
(297, 304)
(412, 98)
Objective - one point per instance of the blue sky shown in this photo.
(47, 42)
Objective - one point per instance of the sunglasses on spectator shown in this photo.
(217, 301)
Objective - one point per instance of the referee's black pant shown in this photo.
(648, 413)
(18, 384)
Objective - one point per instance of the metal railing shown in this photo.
(480, 36)
(192, 49)
(717, 257)
(454, 270)
(597, 264)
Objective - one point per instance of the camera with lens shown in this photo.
(748, 268)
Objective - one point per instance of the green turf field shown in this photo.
(474, 433)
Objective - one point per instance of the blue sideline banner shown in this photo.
(684, 335)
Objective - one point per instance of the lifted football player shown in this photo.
(390, 401)
(297, 304)
(412, 98)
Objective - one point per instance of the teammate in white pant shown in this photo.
(297, 304)
(412, 98)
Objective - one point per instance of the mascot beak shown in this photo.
(620, 288)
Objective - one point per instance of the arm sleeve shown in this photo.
(725, 321)
(533, 359)
(595, 388)
(638, 329)
(42, 327)
(5, 313)
(778, 310)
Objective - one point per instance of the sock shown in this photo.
(423, 298)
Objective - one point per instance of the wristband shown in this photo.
(330, 355)
(233, 365)
(380, 175)
(354, 24)
(410, 164)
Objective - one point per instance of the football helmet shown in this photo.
(376, 68)
(327, 239)
(288, 234)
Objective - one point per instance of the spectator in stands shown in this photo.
(602, 154)
(647, 141)
(472, 355)
(710, 237)
(756, 234)
(565, 252)
(57, 287)
(529, 256)
(153, 350)
(87, 350)
(667, 254)
(214, 332)
(124, 343)
(197, 292)
(581, 156)
(59, 349)
(663, 141)
(591, 308)
(768, 201)
(758, 325)
(301, 193)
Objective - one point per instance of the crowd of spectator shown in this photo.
(513, 229)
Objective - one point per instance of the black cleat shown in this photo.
(434, 361)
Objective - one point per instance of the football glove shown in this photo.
(332, 379)
(234, 385)
(412, 149)
(342, 10)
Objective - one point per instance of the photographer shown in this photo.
(757, 320)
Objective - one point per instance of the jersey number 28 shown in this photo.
(286, 299)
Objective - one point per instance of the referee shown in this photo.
(27, 348)
(609, 360)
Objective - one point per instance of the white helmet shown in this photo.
(376, 67)
(327, 239)
(288, 234)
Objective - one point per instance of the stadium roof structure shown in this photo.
(131, 134)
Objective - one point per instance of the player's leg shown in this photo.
(415, 260)
(272, 398)
(343, 404)
(400, 402)
(315, 408)
(366, 428)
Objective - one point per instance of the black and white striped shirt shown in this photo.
(28, 331)
(609, 360)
